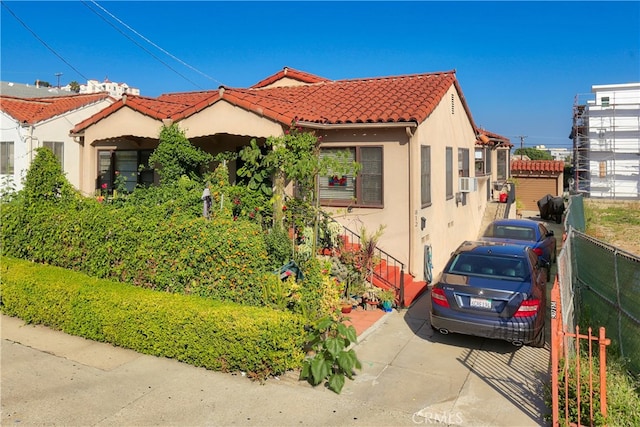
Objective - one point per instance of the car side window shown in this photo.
(543, 231)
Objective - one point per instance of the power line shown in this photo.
(153, 44)
(142, 47)
(42, 41)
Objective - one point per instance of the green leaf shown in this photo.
(336, 382)
(334, 346)
(320, 369)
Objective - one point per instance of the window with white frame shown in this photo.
(346, 190)
(6, 157)
(463, 162)
(425, 175)
(502, 167)
(449, 172)
(57, 147)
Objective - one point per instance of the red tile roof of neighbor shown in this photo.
(395, 99)
(34, 110)
(537, 165)
(492, 138)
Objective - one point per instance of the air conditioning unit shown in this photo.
(468, 184)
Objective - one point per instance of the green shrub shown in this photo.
(218, 336)
(623, 398)
(151, 246)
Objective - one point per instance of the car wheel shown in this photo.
(539, 341)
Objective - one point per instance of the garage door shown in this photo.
(530, 190)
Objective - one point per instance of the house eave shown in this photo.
(375, 125)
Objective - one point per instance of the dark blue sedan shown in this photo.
(492, 290)
(523, 232)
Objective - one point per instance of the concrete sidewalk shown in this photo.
(410, 376)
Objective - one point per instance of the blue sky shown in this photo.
(520, 64)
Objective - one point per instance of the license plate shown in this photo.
(480, 303)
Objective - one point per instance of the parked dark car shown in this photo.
(492, 290)
(524, 232)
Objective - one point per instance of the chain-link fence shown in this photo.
(600, 286)
(607, 287)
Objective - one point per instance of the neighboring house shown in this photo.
(535, 179)
(116, 90)
(606, 142)
(29, 123)
(427, 169)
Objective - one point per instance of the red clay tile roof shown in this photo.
(156, 108)
(492, 138)
(292, 74)
(34, 110)
(396, 99)
(537, 165)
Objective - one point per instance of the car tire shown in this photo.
(539, 340)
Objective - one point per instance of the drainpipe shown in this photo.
(412, 214)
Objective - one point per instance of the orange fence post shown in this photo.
(556, 333)
(603, 342)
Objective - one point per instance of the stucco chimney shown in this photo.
(221, 91)
(124, 99)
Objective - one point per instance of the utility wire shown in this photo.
(142, 47)
(153, 44)
(42, 41)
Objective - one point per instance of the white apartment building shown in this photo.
(115, 90)
(606, 135)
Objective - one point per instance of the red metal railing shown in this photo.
(566, 346)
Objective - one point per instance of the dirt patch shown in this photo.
(615, 222)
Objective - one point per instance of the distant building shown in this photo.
(606, 142)
(20, 90)
(116, 90)
(557, 153)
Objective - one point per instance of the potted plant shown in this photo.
(371, 300)
(387, 296)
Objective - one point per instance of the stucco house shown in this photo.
(427, 169)
(29, 123)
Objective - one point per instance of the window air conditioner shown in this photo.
(468, 184)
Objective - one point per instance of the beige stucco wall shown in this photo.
(223, 117)
(447, 223)
(394, 216)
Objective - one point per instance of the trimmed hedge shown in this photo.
(202, 332)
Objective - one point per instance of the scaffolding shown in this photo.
(606, 143)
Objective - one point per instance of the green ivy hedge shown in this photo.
(219, 258)
(219, 336)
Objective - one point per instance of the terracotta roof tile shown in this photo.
(537, 165)
(34, 110)
(396, 99)
(374, 100)
(292, 74)
(486, 137)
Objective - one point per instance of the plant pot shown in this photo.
(346, 308)
(371, 305)
(387, 306)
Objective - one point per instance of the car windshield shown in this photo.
(483, 265)
(511, 232)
